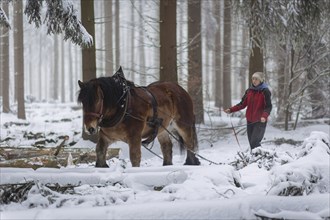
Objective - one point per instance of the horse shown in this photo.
(118, 110)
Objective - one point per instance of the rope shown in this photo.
(232, 126)
(196, 154)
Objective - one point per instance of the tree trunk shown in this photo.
(88, 54)
(280, 92)
(226, 83)
(117, 9)
(217, 55)
(142, 61)
(168, 47)
(256, 63)
(245, 60)
(195, 80)
(19, 58)
(72, 78)
(132, 39)
(1, 72)
(108, 37)
(63, 81)
(288, 112)
(56, 70)
(39, 87)
(5, 63)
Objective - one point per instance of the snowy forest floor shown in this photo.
(288, 177)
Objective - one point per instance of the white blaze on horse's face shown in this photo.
(91, 127)
(92, 119)
(91, 97)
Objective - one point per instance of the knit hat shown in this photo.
(259, 75)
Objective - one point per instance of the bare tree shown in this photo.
(132, 42)
(168, 47)
(19, 58)
(218, 80)
(62, 75)
(108, 37)
(142, 57)
(195, 81)
(88, 54)
(4, 35)
(55, 76)
(117, 33)
(226, 82)
(256, 63)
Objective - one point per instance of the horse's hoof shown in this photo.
(102, 166)
(194, 162)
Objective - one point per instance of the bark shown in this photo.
(217, 55)
(117, 9)
(195, 80)
(132, 38)
(63, 81)
(56, 69)
(226, 85)
(72, 80)
(108, 37)
(168, 46)
(256, 63)
(142, 58)
(19, 58)
(5, 64)
(36, 158)
(88, 54)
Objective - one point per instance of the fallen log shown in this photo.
(36, 158)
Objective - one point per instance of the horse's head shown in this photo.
(91, 97)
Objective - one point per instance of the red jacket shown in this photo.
(258, 102)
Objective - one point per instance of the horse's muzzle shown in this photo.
(92, 130)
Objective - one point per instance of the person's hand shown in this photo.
(227, 110)
(262, 119)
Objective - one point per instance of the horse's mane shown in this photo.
(112, 91)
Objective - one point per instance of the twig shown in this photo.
(59, 147)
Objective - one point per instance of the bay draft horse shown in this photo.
(121, 111)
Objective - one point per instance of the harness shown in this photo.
(154, 122)
(122, 104)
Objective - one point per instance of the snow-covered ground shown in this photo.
(280, 181)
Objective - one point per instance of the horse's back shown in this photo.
(171, 93)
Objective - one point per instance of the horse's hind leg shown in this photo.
(166, 146)
(135, 150)
(189, 137)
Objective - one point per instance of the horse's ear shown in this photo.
(81, 84)
(120, 70)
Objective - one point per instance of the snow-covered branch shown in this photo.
(3, 19)
(61, 17)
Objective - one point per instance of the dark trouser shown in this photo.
(256, 133)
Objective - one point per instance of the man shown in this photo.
(257, 99)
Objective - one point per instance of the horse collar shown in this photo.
(122, 104)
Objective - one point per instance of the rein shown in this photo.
(122, 102)
(121, 109)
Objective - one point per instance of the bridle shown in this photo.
(98, 115)
(121, 110)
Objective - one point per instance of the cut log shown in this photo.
(36, 158)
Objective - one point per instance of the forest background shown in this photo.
(209, 47)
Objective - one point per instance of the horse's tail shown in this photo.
(182, 143)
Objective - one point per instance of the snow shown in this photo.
(299, 173)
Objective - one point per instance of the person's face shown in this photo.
(255, 81)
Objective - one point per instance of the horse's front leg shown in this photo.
(135, 150)
(101, 152)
